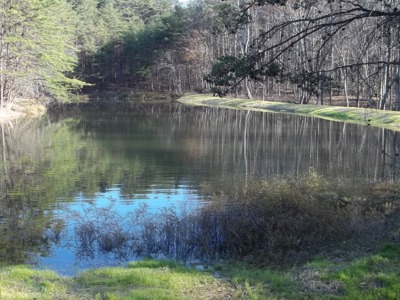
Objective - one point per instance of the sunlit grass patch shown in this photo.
(387, 120)
(148, 279)
(22, 282)
(370, 116)
(372, 276)
(340, 114)
(151, 279)
(212, 102)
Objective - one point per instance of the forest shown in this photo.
(303, 51)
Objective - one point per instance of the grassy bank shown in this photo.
(147, 279)
(373, 117)
(22, 108)
(372, 275)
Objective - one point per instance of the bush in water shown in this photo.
(278, 220)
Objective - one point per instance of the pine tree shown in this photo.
(36, 53)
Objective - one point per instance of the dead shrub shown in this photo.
(278, 219)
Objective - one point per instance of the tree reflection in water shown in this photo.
(26, 229)
(51, 164)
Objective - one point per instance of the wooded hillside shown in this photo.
(302, 51)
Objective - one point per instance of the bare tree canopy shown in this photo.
(302, 51)
(311, 42)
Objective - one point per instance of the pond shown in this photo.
(70, 167)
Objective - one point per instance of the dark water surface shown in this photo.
(55, 170)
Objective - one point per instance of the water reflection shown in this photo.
(159, 156)
(261, 145)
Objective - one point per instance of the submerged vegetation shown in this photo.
(279, 221)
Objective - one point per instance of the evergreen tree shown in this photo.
(120, 40)
(36, 53)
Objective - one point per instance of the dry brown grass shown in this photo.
(310, 281)
(22, 108)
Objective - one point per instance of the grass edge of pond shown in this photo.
(370, 116)
(364, 276)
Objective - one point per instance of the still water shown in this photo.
(56, 171)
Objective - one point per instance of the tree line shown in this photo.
(302, 50)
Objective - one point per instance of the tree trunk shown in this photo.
(346, 92)
(398, 74)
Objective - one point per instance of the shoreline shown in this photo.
(22, 108)
(368, 117)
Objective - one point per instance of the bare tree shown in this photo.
(309, 35)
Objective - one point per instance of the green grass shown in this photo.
(372, 117)
(148, 279)
(152, 280)
(372, 277)
(353, 275)
(22, 282)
